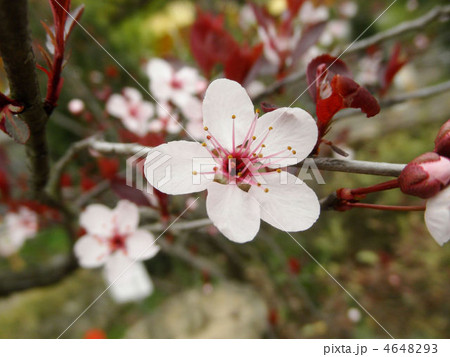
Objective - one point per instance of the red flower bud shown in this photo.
(425, 176)
(442, 142)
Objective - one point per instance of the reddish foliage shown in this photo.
(151, 139)
(123, 191)
(393, 66)
(87, 183)
(66, 180)
(294, 265)
(209, 41)
(240, 62)
(109, 167)
(268, 107)
(294, 6)
(273, 317)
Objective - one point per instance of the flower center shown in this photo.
(246, 164)
(117, 243)
(176, 84)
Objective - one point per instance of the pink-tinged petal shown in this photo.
(91, 252)
(133, 95)
(289, 205)
(160, 73)
(170, 167)
(233, 211)
(180, 97)
(117, 106)
(192, 110)
(223, 99)
(127, 281)
(126, 217)
(146, 111)
(437, 216)
(97, 220)
(141, 245)
(188, 78)
(291, 127)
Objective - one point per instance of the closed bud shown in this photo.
(442, 142)
(425, 176)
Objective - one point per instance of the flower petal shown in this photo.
(127, 281)
(233, 211)
(223, 99)
(291, 127)
(169, 167)
(160, 73)
(91, 252)
(117, 106)
(133, 95)
(289, 205)
(437, 216)
(126, 217)
(97, 220)
(189, 79)
(141, 245)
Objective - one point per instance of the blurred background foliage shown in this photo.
(387, 260)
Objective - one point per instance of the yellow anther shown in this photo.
(294, 152)
(258, 184)
(203, 144)
(263, 145)
(205, 128)
(208, 137)
(260, 155)
(233, 116)
(230, 156)
(194, 172)
(215, 169)
(239, 174)
(278, 170)
(254, 154)
(270, 128)
(289, 148)
(266, 190)
(257, 111)
(254, 137)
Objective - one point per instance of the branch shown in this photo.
(439, 12)
(359, 167)
(38, 276)
(20, 65)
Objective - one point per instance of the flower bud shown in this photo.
(425, 176)
(442, 142)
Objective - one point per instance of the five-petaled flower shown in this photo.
(240, 164)
(113, 239)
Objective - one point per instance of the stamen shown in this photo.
(294, 152)
(266, 190)
(289, 148)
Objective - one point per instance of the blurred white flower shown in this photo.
(309, 14)
(76, 106)
(369, 70)
(354, 314)
(16, 228)
(179, 87)
(348, 9)
(134, 112)
(335, 30)
(113, 240)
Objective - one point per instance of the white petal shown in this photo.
(127, 282)
(292, 127)
(160, 73)
(169, 167)
(289, 205)
(133, 95)
(117, 106)
(437, 216)
(146, 111)
(97, 220)
(141, 245)
(233, 211)
(126, 217)
(91, 252)
(189, 79)
(192, 110)
(223, 99)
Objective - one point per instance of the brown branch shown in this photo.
(20, 66)
(45, 275)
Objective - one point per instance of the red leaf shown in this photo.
(109, 167)
(333, 66)
(123, 191)
(294, 6)
(310, 35)
(210, 43)
(394, 65)
(241, 61)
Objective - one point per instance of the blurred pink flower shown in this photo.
(134, 112)
(234, 165)
(179, 87)
(113, 239)
(16, 228)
